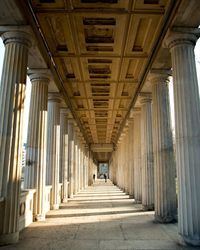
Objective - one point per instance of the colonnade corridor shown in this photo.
(99, 217)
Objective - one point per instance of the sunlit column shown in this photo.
(187, 131)
(147, 154)
(131, 159)
(35, 169)
(81, 167)
(90, 180)
(64, 112)
(86, 165)
(53, 147)
(137, 155)
(164, 164)
(76, 159)
(126, 159)
(71, 156)
(12, 94)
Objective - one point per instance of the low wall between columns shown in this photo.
(26, 208)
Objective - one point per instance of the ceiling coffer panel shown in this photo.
(100, 33)
(142, 33)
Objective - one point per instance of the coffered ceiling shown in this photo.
(101, 49)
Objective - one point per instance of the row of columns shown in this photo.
(56, 154)
(154, 158)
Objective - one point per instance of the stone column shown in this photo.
(64, 152)
(147, 154)
(53, 147)
(71, 157)
(137, 156)
(187, 128)
(35, 171)
(86, 165)
(81, 167)
(90, 170)
(12, 90)
(76, 159)
(126, 159)
(131, 159)
(164, 164)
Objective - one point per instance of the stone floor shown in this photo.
(99, 218)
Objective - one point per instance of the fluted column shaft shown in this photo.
(131, 159)
(187, 128)
(12, 90)
(53, 148)
(164, 164)
(90, 170)
(71, 157)
(64, 138)
(76, 161)
(35, 170)
(147, 155)
(126, 161)
(137, 157)
(86, 166)
(81, 168)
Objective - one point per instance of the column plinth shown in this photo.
(147, 154)
(53, 147)
(164, 164)
(187, 129)
(12, 94)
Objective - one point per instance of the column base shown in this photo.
(165, 219)
(191, 241)
(64, 200)
(71, 196)
(148, 207)
(137, 201)
(39, 217)
(54, 206)
(6, 239)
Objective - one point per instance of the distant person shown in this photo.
(105, 177)
(93, 177)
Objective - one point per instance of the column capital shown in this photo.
(179, 35)
(145, 97)
(39, 75)
(71, 122)
(65, 112)
(159, 75)
(135, 111)
(54, 97)
(17, 34)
